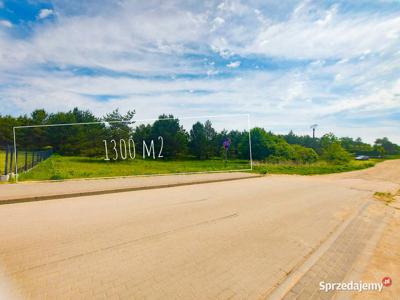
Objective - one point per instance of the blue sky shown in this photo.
(289, 64)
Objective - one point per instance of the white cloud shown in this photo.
(141, 42)
(6, 23)
(234, 64)
(44, 13)
(340, 37)
(216, 23)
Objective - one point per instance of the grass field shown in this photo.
(2, 161)
(68, 167)
(320, 167)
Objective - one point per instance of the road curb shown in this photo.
(112, 191)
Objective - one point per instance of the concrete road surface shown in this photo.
(239, 239)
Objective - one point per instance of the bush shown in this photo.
(304, 155)
(335, 153)
(266, 146)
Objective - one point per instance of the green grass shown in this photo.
(2, 160)
(67, 167)
(320, 167)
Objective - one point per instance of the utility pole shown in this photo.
(313, 127)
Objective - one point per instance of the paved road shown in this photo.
(235, 239)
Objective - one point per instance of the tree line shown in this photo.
(202, 141)
(381, 147)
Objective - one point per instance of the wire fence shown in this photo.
(26, 159)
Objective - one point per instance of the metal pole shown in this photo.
(26, 161)
(11, 160)
(6, 162)
(226, 156)
(15, 157)
(251, 155)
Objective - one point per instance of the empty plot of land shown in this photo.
(216, 240)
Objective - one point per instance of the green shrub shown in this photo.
(303, 154)
(267, 146)
(335, 153)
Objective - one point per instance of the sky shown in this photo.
(289, 64)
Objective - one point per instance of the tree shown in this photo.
(328, 139)
(203, 141)
(388, 146)
(198, 141)
(37, 136)
(39, 117)
(119, 126)
(6, 128)
(259, 145)
(356, 147)
(379, 150)
(332, 150)
(212, 147)
(75, 139)
(174, 136)
(142, 132)
(236, 137)
(303, 140)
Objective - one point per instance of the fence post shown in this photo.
(33, 158)
(11, 159)
(6, 162)
(26, 161)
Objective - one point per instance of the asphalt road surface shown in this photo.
(239, 239)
